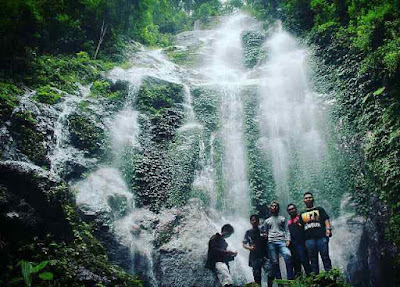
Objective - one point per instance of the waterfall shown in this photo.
(211, 142)
(289, 116)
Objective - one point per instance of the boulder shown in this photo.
(32, 203)
(180, 258)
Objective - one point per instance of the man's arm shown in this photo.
(328, 228)
(287, 233)
(246, 242)
(221, 251)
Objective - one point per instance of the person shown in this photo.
(278, 241)
(258, 257)
(317, 230)
(218, 256)
(297, 243)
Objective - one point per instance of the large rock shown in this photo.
(180, 258)
(32, 129)
(31, 203)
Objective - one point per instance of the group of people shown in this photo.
(299, 241)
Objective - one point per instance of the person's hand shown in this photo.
(287, 243)
(252, 247)
(328, 233)
(233, 253)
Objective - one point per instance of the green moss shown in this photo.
(47, 95)
(206, 103)
(188, 57)
(100, 88)
(86, 134)
(63, 72)
(253, 52)
(8, 99)
(69, 258)
(27, 137)
(156, 95)
(259, 169)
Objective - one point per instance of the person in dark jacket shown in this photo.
(218, 256)
(258, 258)
(297, 244)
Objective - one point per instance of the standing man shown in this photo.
(317, 230)
(278, 241)
(258, 258)
(297, 243)
(218, 257)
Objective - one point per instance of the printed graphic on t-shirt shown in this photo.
(311, 219)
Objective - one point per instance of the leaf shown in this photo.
(46, 276)
(39, 267)
(379, 91)
(26, 269)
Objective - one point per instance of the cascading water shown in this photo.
(63, 151)
(289, 115)
(292, 127)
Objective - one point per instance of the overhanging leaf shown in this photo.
(39, 267)
(46, 276)
(379, 91)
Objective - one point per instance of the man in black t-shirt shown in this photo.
(258, 258)
(317, 230)
(218, 256)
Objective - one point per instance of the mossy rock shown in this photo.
(206, 102)
(114, 93)
(253, 52)
(8, 99)
(156, 95)
(184, 56)
(27, 137)
(46, 226)
(165, 124)
(86, 133)
(47, 95)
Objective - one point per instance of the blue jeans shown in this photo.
(301, 251)
(274, 249)
(318, 245)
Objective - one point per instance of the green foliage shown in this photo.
(206, 104)
(68, 258)
(332, 278)
(27, 137)
(261, 179)
(35, 27)
(155, 95)
(47, 95)
(187, 57)
(253, 52)
(63, 72)
(29, 268)
(8, 99)
(86, 134)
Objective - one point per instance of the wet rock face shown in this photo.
(31, 203)
(160, 247)
(29, 133)
(378, 251)
(180, 259)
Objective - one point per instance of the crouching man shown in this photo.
(218, 256)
